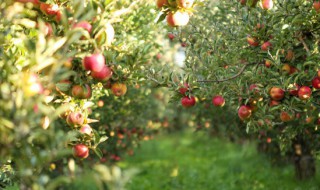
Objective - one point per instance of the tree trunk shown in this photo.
(304, 162)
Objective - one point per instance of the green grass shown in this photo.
(186, 161)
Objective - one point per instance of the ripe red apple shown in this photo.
(267, 63)
(304, 92)
(274, 103)
(80, 151)
(243, 2)
(58, 16)
(81, 92)
(276, 93)
(94, 62)
(184, 44)
(252, 41)
(184, 89)
(103, 75)
(75, 118)
(293, 70)
(86, 129)
(316, 83)
(171, 36)
(316, 5)
(185, 3)
(161, 3)
(266, 45)
(49, 9)
(266, 4)
(188, 102)
(218, 101)
(285, 116)
(83, 24)
(119, 89)
(244, 112)
(286, 68)
(294, 89)
(177, 18)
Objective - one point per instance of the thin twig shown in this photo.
(230, 78)
(304, 44)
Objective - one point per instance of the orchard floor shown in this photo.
(193, 161)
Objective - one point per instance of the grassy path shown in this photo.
(195, 162)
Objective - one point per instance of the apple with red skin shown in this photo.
(86, 129)
(48, 9)
(294, 90)
(94, 62)
(75, 118)
(316, 83)
(218, 101)
(80, 151)
(177, 18)
(188, 102)
(268, 63)
(103, 75)
(304, 92)
(161, 3)
(318, 73)
(184, 89)
(243, 2)
(266, 4)
(285, 116)
(81, 92)
(83, 24)
(185, 3)
(316, 5)
(276, 93)
(244, 112)
(286, 68)
(119, 89)
(171, 36)
(274, 103)
(252, 41)
(266, 45)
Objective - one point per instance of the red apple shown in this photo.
(161, 3)
(274, 103)
(184, 44)
(177, 18)
(294, 90)
(188, 102)
(184, 89)
(119, 89)
(49, 9)
(318, 73)
(285, 117)
(80, 151)
(267, 63)
(81, 92)
(243, 2)
(83, 24)
(86, 129)
(316, 5)
(316, 83)
(171, 36)
(266, 45)
(218, 101)
(276, 93)
(185, 3)
(266, 4)
(94, 62)
(103, 75)
(252, 41)
(244, 112)
(75, 118)
(304, 92)
(286, 68)
(58, 16)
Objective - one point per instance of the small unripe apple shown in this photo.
(188, 102)
(276, 93)
(252, 41)
(177, 18)
(119, 89)
(266, 4)
(266, 45)
(49, 9)
(80, 151)
(285, 117)
(161, 3)
(218, 101)
(86, 129)
(185, 3)
(94, 62)
(83, 24)
(304, 92)
(316, 83)
(103, 75)
(75, 118)
(244, 112)
(316, 5)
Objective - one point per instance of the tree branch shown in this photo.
(304, 44)
(230, 78)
